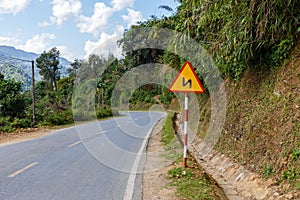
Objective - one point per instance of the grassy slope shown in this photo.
(262, 128)
(191, 182)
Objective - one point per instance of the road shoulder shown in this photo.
(23, 135)
(156, 185)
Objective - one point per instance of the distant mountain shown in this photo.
(13, 65)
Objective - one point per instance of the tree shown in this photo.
(75, 67)
(12, 101)
(48, 63)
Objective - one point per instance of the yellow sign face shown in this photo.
(187, 81)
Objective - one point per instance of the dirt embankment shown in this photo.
(262, 128)
(235, 179)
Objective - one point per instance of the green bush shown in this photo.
(6, 125)
(22, 122)
(142, 95)
(103, 112)
(80, 115)
(59, 118)
(12, 100)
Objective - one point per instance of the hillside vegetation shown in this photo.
(16, 64)
(262, 128)
(255, 45)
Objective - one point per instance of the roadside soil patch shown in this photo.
(23, 135)
(156, 185)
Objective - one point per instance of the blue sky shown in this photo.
(76, 27)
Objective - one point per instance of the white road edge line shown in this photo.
(128, 194)
(74, 144)
(22, 170)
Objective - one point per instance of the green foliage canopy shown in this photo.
(48, 63)
(240, 35)
(12, 101)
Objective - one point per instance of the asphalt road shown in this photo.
(90, 161)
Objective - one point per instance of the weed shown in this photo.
(297, 185)
(295, 154)
(284, 153)
(180, 173)
(168, 130)
(289, 174)
(268, 171)
(191, 183)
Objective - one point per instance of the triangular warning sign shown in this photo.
(187, 81)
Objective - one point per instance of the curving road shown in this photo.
(89, 161)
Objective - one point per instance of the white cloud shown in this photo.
(106, 44)
(44, 24)
(62, 10)
(133, 17)
(9, 41)
(64, 52)
(97, 22)
(14, 7)
(38, 43)
(121, 4)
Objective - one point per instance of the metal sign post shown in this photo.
(33, 94)
(186, 82)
